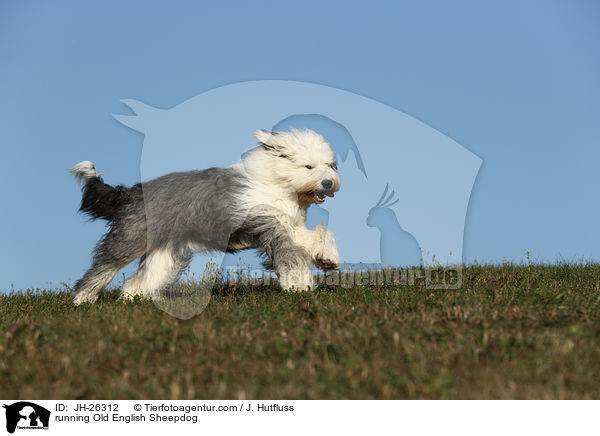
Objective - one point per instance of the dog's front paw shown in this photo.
(296, 281)
(327, 257)
(327, 264)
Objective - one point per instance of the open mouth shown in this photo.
(318, 197)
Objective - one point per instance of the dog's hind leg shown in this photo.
(94, 281)
(114, 251)
(158, 269)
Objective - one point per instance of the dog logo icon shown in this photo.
(26, 415)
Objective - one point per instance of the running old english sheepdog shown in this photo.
(259, 202)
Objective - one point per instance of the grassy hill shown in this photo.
(509, 332)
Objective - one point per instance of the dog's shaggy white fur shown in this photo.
(259, 202)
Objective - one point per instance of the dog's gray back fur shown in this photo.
(193, 207)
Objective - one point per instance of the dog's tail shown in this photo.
(99, 199)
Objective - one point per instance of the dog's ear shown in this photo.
(267, 139)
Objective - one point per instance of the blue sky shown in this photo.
(515, 82)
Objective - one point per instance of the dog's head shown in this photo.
(301, 160)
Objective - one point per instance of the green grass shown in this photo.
(510, 332)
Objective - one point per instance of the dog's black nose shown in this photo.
(327, 184)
